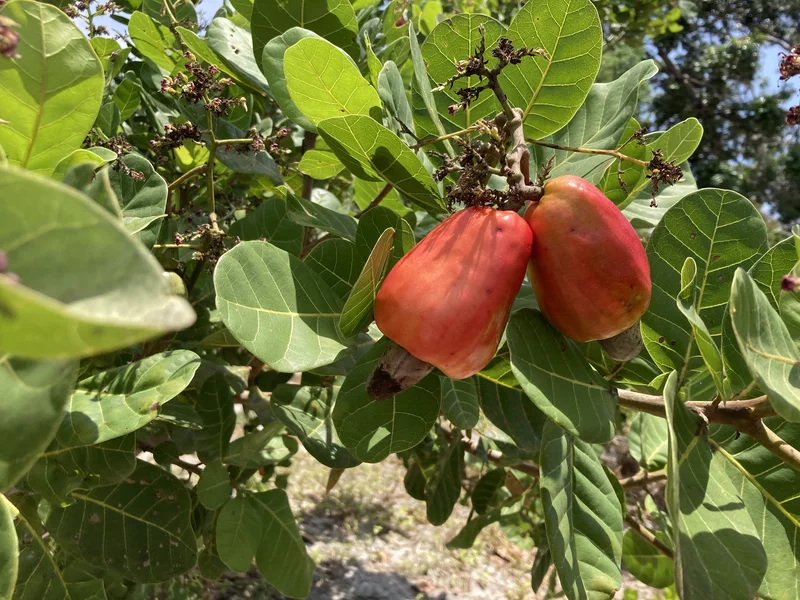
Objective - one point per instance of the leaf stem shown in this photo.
(775, 444)
(377, 200)
(235, 141)
(648, 536)
(186, 176)
(614, 153)
(443, 138)
(212, 155)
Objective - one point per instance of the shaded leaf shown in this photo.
(646, 563)
(460, 402)
(154, 40)
(336, 264)
(214, 486)
(647, 441)
(444, 486)
(8, 548)
(485, 489)
(239, 531)
(215, 408)
(373, 224)
(320, 164)
(142, 202)
(234, 45)
(270, 222)
(308, 213)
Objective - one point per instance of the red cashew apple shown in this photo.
(447, 301)
(588, 268)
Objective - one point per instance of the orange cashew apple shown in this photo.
(447, 301)
(588, 268)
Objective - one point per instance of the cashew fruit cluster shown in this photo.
(446, 303)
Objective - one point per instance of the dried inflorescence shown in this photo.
(790, 63)
(270, 143)
(201, 84)
(661, 171)
(120, 146)
(176, 135)
(9, 38)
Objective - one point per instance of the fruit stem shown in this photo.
(397, 371)
(614, 153)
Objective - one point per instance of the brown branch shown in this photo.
(309, 141)
(188, 175)
(648, 536)
(377, 200)
(494, 456)
(677, 74)
(613, 153)
(775, 444)
(643, 478)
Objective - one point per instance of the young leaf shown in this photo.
(291, 322)
(333, 20)
(32, 405)
(307, 413)
(444, 487)
(370, 151)
(234, 45)
(712, 357)
(76, 298)
(582, 516)
(721, 231)
(713, 531)
(79, 158)
(372, 430)
(646, 563)
(281, 555)
(550, 90)
(270, 222)
(9, 553)
(154, 40)
(766, 345)
(215, 409)
(392, 91)
(460, 402)
(647, 441)
(150, 512)
(214, 486)
(357, 311)
(57, 74)
(555, 375)
(239, 531)
(308, 213)
(323, 82)
(119, 401)
(320, 164)
(336, 263)
(127, 99)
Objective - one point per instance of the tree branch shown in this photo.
(648, 536)
(775, 444)
(377, 200)
(642, 478)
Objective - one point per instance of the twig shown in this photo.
(494, 456)
(309, 141)
(648, 536)
(377, 200)
(775, 444)
(186, 176)
(442, 138)
(614, 153)
(642, 478)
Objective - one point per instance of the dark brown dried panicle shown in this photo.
(790, 63)
(661, 171)
(176, 135)
(120, 146)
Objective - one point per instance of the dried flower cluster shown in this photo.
(120, 146)
(201, 84)
(9, 38)
(789, 67)
(175, 136)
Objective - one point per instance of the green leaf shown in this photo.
(357, 311)
(721, 231)
(150, 512)
(320, 164)
(154, 40)
(717, 550)
(508, 408)
(81, 157)
(291, 321)
(372, 430)
(234, 45)
(641, 212)
(308, 213)
(426, 115)
(392, 91)
(111, 55)
(712, 357)
(373, 224)
(143, 202)
(599, 123)
(118, 401)
(444, 486)
(465, 538)
(272, 65)
(200, 48)
(60, 470)
(214, 486)
(281, 555)
(8, 548)
(307, 413)
(270, 223)
(770, 496)
(582, 516)
(323, 82)
(215, 408)
(766, 345)
(550, 90)
(76, 298)
(555, 375)
(335, 262)
(647, 441)
(460, 402)
(451, 41)
(261, 449)
(486, 488)
(32, 405)
(239, 531)
(127, 99)
(333, 20)
(57, 74)
(676, 145)
(108, 119)
(372, 152)
(646, 563)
